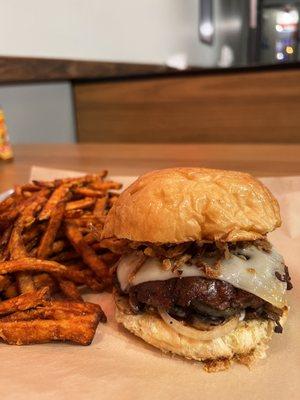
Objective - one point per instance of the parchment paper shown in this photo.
(120, 366)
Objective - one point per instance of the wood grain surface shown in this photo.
(259, 106)
(135, 159)
(28, 69)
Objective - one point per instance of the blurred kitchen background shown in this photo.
(150, 70)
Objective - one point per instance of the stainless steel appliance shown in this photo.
(250, 32)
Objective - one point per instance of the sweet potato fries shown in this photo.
(50, 252)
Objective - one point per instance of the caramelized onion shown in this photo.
(201, 325)
(214, 333)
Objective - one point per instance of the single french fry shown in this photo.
(57, 310)
(71, 214)
(87, 202)
(86, 192)
(17, 250)
(56, 197)
(108, 185)
(87, 253)
(16, 246)
(77, 307)
(79, 330)
(30, 187)
(4, 243)
(69, 289)
(79, 180)
(46, 245)
(100, 207)
(30, 264)
(44, 184)
(24, 301)
(36, 265)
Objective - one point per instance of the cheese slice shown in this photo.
(252, 270)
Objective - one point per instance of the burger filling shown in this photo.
(204, 284)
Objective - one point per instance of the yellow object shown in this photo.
(5, 147)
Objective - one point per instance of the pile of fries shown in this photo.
(50, 252)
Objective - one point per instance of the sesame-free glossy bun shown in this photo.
(249, 336)
(186, 204)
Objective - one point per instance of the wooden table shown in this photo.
(134, 159)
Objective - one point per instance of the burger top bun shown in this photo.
(186, 204)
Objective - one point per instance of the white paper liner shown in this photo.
(120, 366)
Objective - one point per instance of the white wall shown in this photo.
(141, 31)
(146, 31)
(38, 112)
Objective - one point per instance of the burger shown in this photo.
(197, 276)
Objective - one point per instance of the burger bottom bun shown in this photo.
(246, 343)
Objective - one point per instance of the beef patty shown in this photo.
(206, 296)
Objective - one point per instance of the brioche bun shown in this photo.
(249, 338)
(186, 204)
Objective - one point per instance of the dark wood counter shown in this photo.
(23, 69)
(29, 69)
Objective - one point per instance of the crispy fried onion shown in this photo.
(175, 252)
(193, 333)
(285, 278)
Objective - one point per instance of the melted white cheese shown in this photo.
(256, 275)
